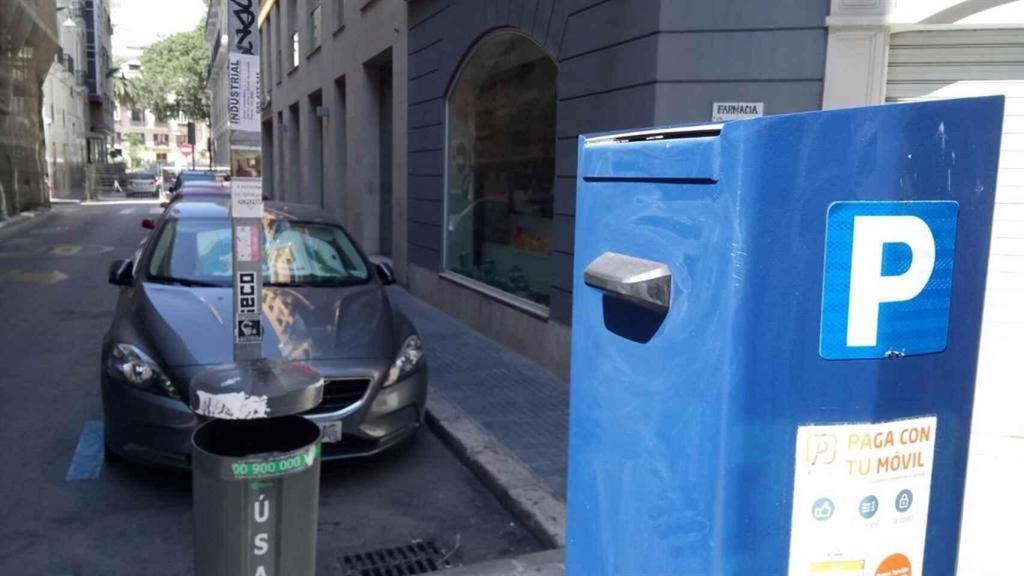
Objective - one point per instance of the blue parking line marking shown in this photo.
(88, 459)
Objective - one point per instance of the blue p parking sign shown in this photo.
(888, 278)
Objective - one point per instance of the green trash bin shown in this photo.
(256, 480)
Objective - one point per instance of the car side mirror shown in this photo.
(148, 223)
(386, 273)
(120, 273)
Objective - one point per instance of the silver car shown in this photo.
(324, 304)
(144, 183)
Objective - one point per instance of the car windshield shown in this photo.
(142, 175)
(198, 253)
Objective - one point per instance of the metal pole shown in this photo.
(243, 105)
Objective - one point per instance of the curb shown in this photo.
(525, 495)
(547, 563)
(21, 217)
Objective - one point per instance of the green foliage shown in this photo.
(135, 146)
(173, 80)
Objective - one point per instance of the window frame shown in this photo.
(315, 27)
(535, 309)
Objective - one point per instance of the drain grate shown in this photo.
(418, 557)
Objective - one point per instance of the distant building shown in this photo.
(65, 114)
(28, 42)
(216, 39)
(98, 73)
(146, 141)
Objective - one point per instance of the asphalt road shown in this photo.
(55, 306)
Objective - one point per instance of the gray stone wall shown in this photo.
(622, 64)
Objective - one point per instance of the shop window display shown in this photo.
(501, 165)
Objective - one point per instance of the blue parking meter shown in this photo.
(775, 337)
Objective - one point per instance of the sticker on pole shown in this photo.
(860, 498)
(249, 331)
(888, 278)
(247, 243)
(246, 198)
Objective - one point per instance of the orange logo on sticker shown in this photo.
(895, 565)
(821, 449)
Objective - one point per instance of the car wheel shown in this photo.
(111, 457)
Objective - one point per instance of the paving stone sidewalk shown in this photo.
(520, 403)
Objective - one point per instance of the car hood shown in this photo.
(190, 326)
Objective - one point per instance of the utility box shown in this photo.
(775, 337)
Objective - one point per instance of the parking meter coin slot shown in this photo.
(654, 158)
(643, 282)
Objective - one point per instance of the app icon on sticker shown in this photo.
(904, 500)
(823, 509)
(868, 507)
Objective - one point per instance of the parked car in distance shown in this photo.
(199, 190)
(143, 183)
(324, 305)
(186, 176)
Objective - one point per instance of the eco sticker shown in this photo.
(860, 498)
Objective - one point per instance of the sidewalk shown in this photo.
(505, 416)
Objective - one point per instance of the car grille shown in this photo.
(340, 394)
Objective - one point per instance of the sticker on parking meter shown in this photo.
(249, 331)
(247, 247)
(246, 198)
(860, 498)
(246, 283)
(888, 278)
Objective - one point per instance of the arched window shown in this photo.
(501, 166)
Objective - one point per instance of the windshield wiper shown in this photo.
(189, 282)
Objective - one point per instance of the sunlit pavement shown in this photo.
(65, 512)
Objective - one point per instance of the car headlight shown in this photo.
(409, 358)
(133, 366)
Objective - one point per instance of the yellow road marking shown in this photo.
(41, 278)
(65, 249)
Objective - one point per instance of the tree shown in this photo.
(126, 90)
(173, 79)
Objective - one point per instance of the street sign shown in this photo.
(246, 198)
(722, 111)
(185, 149)
(888, 278)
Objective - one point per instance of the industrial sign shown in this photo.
(860, 498)
(722, 111)
(888, 278)
(243, 68)
(244, 92)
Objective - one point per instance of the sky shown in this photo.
(140, 22)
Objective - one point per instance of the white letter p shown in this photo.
(868, 287)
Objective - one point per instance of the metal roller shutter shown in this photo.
(927, 65)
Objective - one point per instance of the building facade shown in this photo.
(98, 73)
(334, 116)
(65, 108)
(217, 85)
(28, 42)
(146, 141)
(499, 93)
